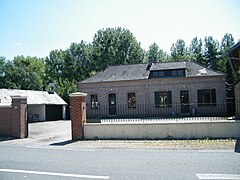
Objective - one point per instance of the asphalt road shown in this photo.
(48, 163)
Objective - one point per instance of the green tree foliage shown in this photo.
(115, 46)
(223, 63)
(66, 87)
(58, 75)
(211, 52)
(179, 51)
(2, 72)
(196, 51)
(54, 66)
(78, 64)
(155, 54)
(23, 73)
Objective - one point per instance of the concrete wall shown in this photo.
(144, 90)
(162, 131)
(37, 109)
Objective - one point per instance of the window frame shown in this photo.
(163, 99)
(206, 97)
(131, 102)
(94, 101)
(171, 73)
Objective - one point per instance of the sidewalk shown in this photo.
(57, 134)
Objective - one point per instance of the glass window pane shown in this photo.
(94, 101)
(131, 100)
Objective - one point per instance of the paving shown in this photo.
(57, 134)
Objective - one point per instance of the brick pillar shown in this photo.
(19, 117)
(78, 114)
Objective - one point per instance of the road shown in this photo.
(48, 163)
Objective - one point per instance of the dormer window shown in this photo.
(167, 73)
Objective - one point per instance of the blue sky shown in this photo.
(35, 27)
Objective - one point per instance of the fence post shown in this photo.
(19, 117)
(78, 114)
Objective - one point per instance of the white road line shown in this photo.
(59, 148)
(218, 176)
(53, 174)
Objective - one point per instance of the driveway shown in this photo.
(44, 134)
(50, 131)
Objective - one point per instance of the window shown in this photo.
(168, 73)
(181, 72)
(163, 99)
(94, 101)
(131, 100)
(206, 97)
(174, 73)
(154, 74)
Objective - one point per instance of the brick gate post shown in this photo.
(19, 117)
(78, 114)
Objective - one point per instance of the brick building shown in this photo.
(157, 89)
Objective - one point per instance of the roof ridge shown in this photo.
(127, 64)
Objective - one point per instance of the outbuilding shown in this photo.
(42, 105)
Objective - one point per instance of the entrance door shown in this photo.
(184, 99)
(112, 104)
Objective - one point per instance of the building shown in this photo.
(157, 89)
(42, 105)
(233, 55)
(237, 99)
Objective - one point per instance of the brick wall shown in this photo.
(5, 121)
(144, 90)
(13, 120)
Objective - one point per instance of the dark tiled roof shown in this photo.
(120, 73)
(138, 71)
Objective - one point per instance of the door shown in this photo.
(112, 104)
(54, 112)
(184, 100)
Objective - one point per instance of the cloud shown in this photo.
(18, 43)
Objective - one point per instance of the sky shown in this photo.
(35, 27)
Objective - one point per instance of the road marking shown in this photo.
(54, 174)
(59, 148)
(218, 176)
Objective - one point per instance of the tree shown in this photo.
(196, 51)
(115, 46)
(66, 87)
(155, 54)
(179, 51)
(23, 73)
(58, 76)
(54, 65)
(2, 72)
(223, 64)
(78, 63)
(211, 52)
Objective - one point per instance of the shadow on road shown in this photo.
(63, 143)
(237, 146)
(2, 138)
